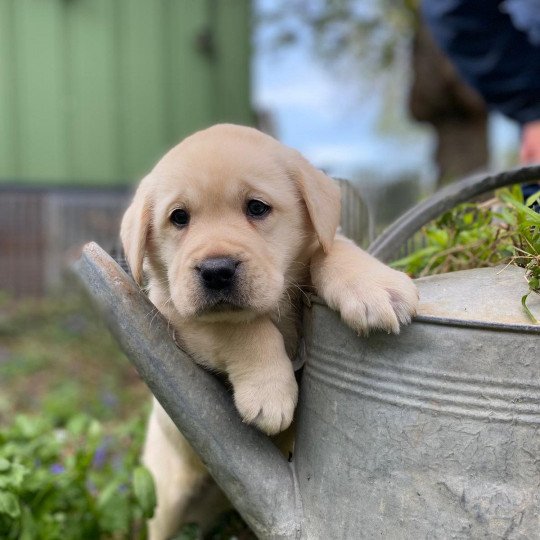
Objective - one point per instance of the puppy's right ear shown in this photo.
(134, 231)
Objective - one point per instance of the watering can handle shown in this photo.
(394, 236)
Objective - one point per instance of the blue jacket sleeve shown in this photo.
(491, 54)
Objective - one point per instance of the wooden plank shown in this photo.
(91, 65)
(189, 68)
(40, 107)
(142, 86)
(8, 95)
(232, 29)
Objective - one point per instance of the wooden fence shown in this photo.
(39, 227)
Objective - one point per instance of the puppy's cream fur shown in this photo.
(212, 175)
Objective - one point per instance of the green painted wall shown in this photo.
(94, 91)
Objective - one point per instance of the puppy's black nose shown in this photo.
(218, 273)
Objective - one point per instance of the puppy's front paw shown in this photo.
(381, 301)
(267, 401)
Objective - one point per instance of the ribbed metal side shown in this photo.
(495, 400)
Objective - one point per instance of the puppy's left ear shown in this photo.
(322, 197)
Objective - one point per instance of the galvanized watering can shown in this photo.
(434, 433)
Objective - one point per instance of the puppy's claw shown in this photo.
(383, 302)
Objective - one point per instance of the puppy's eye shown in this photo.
(257, 209)
(179, 217)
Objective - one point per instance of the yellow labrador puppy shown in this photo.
(229, 229)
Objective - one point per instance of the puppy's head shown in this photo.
(226, 220)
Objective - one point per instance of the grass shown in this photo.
(72, 412)
(57, 357)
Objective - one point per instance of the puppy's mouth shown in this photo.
(220, 302)
(222, 306)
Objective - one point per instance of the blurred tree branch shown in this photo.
(355, 37)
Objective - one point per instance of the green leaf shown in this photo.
(94, 430)
(9, 504)
(30, 427)
(413, 257)
(78, 424)
(535, 197)
(439, 236)
(14, 476)
(108, 493)
(29, 529)
(532, 216)
(468, 219)
(145, 493)
(114, 516)
(527, 310)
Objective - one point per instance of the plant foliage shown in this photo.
(504, 230)
(72, 415)
(72, 482)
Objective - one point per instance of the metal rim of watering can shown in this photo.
(395, 235)
(448, 321)
(453, 321)
(470, 299)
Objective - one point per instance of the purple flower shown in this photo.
(109, 399)
(57, 468)
(100, 456)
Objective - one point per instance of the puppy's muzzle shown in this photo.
(218, 273)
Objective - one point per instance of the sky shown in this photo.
(334, 121)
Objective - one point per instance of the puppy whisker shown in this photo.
(294, 284)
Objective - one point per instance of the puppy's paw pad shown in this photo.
(269, 405)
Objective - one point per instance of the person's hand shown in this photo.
(530, 143)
